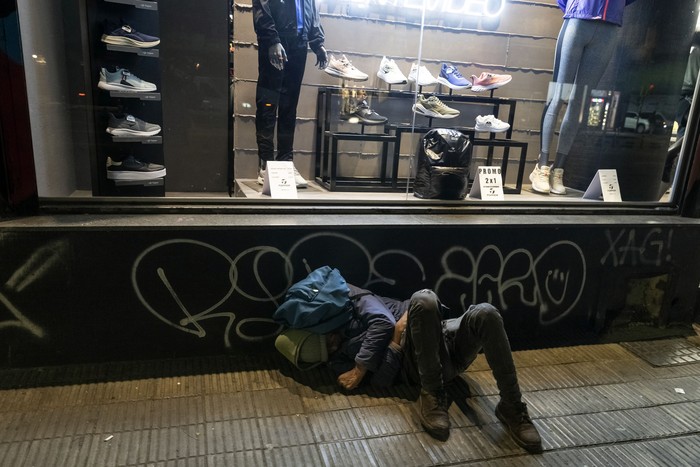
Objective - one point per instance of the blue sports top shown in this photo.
(604, 10)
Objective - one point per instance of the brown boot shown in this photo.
(433, 413)
(519, 425)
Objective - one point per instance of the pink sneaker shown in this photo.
(487, 81)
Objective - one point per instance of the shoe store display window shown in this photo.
(578, 102)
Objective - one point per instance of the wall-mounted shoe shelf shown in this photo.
(138, 139)
(144, 96)
(155, 53)
(141, 4)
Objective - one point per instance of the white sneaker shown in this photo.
(261, 177)
(389, 71)
(299, 180)
(342, 68)
(491, 124)
(556, 182)
(421, 76)
(540, 179)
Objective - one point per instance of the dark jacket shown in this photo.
(273, 19)
(367, 336)
(605, 10)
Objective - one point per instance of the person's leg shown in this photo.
(267, 96)
(481, 328)
(423, 352)
(289, 99)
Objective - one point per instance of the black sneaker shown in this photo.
(128, 125)
(519, 426)
(364, 115)
(133, 169)
(433, 413)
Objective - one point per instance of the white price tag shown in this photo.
(605, 185)
(488, 185)
(279, 180)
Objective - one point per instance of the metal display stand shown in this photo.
(326, 167)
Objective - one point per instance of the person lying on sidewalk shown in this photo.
(389, 340)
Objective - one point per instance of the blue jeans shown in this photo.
(437, 351)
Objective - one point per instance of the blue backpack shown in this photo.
(319, 303)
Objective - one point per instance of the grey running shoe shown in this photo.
(433, 107)
(133, 169)
(123, 80)
(128, 125)
(556, 182)
(363, 114)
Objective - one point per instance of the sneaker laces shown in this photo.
(543, 173)
(438, 103)
(454, 71)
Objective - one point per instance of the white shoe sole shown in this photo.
(119, 40)
(490, 129)
(340, 74)
(120, 87)
(387, 80)
(134, 175)
(127, 132)
(419, 109)
(534, 188)
(444, 81)
(479, 88)
(424, 83)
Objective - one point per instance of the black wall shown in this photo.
(121, 293)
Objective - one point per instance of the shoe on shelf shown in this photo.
(122, 80)
(421, 76)
(299, 180)
(433, 107)
(363, 114)
(128, 36)
(540, 179)
(519, 426)
(556, 182)
(342, 68)
(389, 72)
(261, 177)
(128, 125)
(133, 169)
(487, 81)
(433, 413)
(491, 124)
(452, 78)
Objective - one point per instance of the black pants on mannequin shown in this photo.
(276, 99)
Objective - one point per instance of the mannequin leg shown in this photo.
(267, 96)
(289, 98)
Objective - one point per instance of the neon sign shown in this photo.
(488, 8)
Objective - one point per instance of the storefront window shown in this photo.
(466, 101)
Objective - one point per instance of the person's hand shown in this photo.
(351, 379)
(399, 328)
(321, 58)
(277, 56)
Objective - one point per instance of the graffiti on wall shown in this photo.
(38, 266)
(552, 280)
(627, 247)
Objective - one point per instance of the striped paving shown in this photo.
(594, 405)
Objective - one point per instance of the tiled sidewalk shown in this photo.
(594, 405)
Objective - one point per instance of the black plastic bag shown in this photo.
(444, 157)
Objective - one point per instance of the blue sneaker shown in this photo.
(452, 78)
(126, 35)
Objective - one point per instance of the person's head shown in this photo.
(304, 349)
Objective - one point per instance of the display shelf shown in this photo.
(138, 139)
(327, 139)
(152, 182)
(141, 4)
(154, 53)
(144, 96)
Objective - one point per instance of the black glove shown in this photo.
(277, 56)
(321, 58)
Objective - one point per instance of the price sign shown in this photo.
(605, 185)
(488, 185)
(279, 180)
